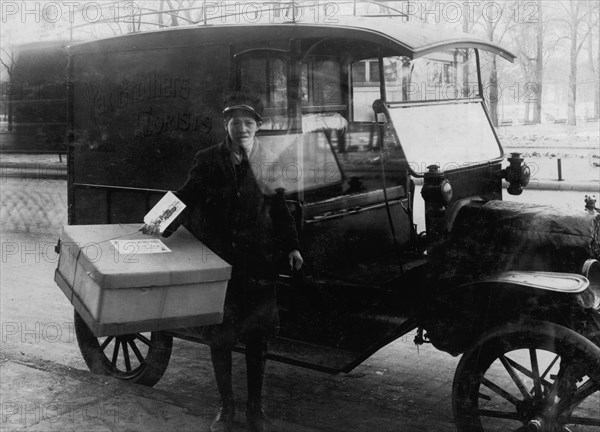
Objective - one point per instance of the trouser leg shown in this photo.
(221, 360)
(255, 367)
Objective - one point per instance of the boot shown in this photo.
(256, 418)
(255, 368)
(223, 421)
(221, 360)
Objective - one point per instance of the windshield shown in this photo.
(451, 135)
(443, 75)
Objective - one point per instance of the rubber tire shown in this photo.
(148, 373)
(482, 354)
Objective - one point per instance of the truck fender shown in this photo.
(569, 283)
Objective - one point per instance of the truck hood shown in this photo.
(497, 236)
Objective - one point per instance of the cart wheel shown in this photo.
(141, 358)
(536, 376)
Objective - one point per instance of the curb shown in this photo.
(550, 147)
(59, 170)
(555, 185)
(549, 185)
(33, 170)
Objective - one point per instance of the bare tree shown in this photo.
(496, 27)
(528, 36)
(496, 22)
(7, 60)
(539, 65)
(575, 18)
(466, 19)
(594, 64)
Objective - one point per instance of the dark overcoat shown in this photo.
(243, 218)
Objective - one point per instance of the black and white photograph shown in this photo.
(300, 216)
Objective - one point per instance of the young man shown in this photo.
(236, 206)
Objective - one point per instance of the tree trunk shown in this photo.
(526, 109)
(539, 68)
(597, 101)
(597, 92)
(174, 20)
(161, 7)
(406, 79)
(493, 95)
(595, 69)
(10, 114)
(572, 96)
(465, 68)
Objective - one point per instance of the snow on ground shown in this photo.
(577, 147)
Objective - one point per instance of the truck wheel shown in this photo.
(533, 376)
(141, 358)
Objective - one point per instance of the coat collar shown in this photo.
(257, 156)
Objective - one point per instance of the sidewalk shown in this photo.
(43, 396)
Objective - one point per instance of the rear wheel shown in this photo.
(538, 377)
(141, 358)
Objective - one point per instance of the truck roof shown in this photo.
(401, 38)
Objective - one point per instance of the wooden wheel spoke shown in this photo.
(499, 390)
(106, 342)
(143, 339)
(582, 421)
(116, 352)
(568, 404)
(537, 386)
(136, 358)
(126, 355)
(499, 414)
(531, 374)
(550, 366)
(136, 351)
(511, 371)
(534, 375)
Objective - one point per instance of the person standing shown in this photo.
(236, 207)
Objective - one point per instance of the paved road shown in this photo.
(400, 388)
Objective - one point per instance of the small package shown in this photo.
(121, 281)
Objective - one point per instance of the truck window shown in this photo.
(264, 74)
(337, 109)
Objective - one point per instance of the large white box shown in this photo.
(122, 281)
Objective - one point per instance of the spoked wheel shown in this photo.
(141, 358)
(533, 377)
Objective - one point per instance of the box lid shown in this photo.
(189, 261)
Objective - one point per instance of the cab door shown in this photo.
(349, 198)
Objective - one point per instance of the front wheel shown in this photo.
(534, 376)
(141, 358)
